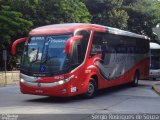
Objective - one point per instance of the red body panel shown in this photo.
(81, 80)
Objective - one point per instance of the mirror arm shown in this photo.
(15, 43)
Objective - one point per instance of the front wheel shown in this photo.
(92, 89)
(154, 78)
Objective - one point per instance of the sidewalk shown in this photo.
(156, 88)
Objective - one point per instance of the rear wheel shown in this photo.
(135, 80)
(154, 78)
(92, 89)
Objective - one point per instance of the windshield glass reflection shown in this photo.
(45, 54)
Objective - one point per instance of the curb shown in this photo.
(156, 88)
(4, 85)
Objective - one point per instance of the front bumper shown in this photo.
(30, 85)
(61, 90)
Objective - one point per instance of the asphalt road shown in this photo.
(122, 99)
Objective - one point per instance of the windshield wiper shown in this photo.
(36, 56)
(33, 61)
(45, 59)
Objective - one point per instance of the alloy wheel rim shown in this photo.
(90, 89)
(136, 79)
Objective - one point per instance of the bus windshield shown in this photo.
(155, 59)
(45, 55)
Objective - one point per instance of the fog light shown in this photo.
(64, 91)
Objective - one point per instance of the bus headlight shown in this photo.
(68, 79)
(65, 80)
(22, 80)
(61, 82)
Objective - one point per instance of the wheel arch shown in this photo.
(92, 81)
(87, 80)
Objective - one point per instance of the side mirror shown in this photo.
(69, 43)
(15, 43)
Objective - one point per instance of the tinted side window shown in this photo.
(142, 46)
(75, 54)
(84, 43)
(112, 43)
(125, 44)
(96, 44)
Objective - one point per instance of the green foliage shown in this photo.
(52, 11)
(133, 15)
(108, 12)
(143, 16)
(12, 24)
(118, 19)
(73, 11)
(18, 16)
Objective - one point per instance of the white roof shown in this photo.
(125, 33)
(154, 46)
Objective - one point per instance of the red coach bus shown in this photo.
(77, 58)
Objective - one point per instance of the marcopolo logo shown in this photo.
(55, 40)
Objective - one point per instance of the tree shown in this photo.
(18, 16)
(156, 31)
(118, 18)
(43, 12)
(72, 11)
(12, 24)
(108, 12)
(143, 15)
(138, 16)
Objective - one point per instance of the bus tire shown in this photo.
(154, 78)
(92, 89)
(134, 83)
